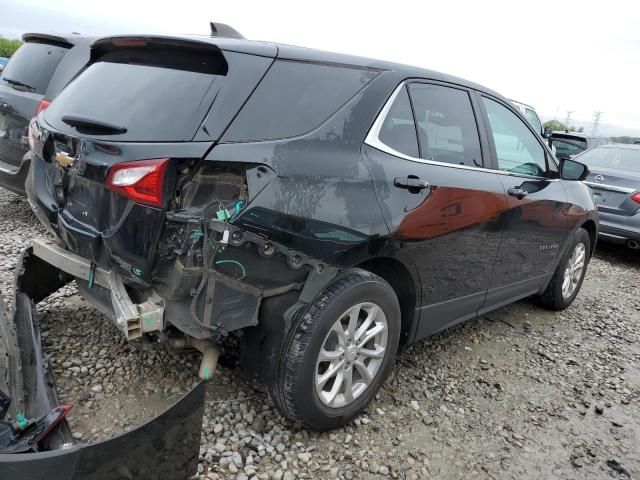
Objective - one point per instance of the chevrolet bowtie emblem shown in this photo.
(64, 159)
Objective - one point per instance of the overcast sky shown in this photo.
(558, 56)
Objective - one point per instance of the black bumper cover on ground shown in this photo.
(165, 448)
(14, 180)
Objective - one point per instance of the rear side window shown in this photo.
(447, 128)
(295, 98)
(32, 67)
(156, 94)
(398, 130)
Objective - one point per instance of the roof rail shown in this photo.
(224, 30)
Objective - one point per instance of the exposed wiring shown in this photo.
(234, 262)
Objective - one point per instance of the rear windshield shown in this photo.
(32, 67)
(581, 142)
(295, 98)
(155, 95)
(620, 158)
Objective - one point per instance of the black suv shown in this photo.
(333, 208)
(34, 76)
(570, 144)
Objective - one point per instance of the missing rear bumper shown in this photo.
(132, 319)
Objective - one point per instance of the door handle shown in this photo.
(517, 192)
(411, 183)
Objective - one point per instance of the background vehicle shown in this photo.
(34, 76)
(569, 144)
(614, 177)
(332, 207)
(530, 114)
(3, 63)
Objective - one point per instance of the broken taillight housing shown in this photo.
(142, 181)
(42, 106)
(31, 135)
(636, 197)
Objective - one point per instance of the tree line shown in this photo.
(8, 47)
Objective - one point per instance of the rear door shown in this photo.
(535, 224)
(22, 84)
(426, 155)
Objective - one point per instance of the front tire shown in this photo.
(338, 352)
(568, 277)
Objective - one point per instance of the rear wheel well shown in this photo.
(400, 279)
(590, 227)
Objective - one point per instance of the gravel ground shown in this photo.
(519, 393)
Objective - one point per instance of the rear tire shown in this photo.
(568, 277)
(338, 351)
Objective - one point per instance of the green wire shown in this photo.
(244, 272)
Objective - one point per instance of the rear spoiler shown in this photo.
(47, 38)
(224, 30)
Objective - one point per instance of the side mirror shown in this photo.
(572, 170)
(546, 133)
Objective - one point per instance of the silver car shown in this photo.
(615, 181)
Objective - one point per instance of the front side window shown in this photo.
(517, 149)
(446, 125)
(398, 130)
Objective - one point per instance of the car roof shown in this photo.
(580, 135)
(291, 52)
(523, 104)
(629, 146)
(68, 40)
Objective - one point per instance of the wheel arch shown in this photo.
(405, 286)
(590, 226)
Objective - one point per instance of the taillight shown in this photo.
(636, 197)
(42, 106)
(142, 181)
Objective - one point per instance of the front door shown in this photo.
(442, 206)
(535, 222)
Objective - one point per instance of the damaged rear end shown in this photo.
(144, 224)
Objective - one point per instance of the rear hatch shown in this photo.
(145, 108)
(614, 178)
(22, 85)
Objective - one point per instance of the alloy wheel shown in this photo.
(351, 355)
(573, 271)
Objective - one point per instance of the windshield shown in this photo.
(619, 158)
(154, 94)
(32, 67)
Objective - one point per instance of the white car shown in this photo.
(532, 117)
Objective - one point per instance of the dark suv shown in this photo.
(570, 144)
(333, 208)
(33, 77)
